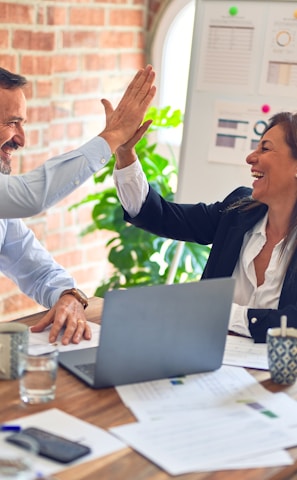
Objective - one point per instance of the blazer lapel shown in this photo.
(227, 245)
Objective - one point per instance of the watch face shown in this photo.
(82, 294)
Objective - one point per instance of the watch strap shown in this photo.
(78, 294)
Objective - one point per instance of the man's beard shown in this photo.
(5, 164)
(5, 167)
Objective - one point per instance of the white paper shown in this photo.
(225, 386)
(236, 130)
(205, 440)
(244, 352)
(279, 68)
(60, 423)
(228, 46)
(41, 338)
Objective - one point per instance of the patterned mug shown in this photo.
(12, 334)
(282, 355)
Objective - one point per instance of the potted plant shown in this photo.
(138, 257)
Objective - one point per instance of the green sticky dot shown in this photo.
(269, 414)
(233, 10)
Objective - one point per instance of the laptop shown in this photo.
(153, 332)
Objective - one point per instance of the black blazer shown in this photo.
(224, 229)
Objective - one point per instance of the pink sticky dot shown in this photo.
(265, 108)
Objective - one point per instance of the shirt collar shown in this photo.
(260, 227)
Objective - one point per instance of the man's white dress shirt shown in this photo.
(22, 257)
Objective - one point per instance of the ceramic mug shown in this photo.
(12, 334)
(282, 355)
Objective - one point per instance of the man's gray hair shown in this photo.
(11, 80)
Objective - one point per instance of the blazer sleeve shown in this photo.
(184, 222)
(262, 319)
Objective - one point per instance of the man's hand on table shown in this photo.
(68, 312)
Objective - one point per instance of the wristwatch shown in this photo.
(78, 294)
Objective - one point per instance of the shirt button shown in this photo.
(76, 182)
(103, 160)
(254, 320)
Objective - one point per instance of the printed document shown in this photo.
(206, 440)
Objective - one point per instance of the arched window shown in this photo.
(170, 53)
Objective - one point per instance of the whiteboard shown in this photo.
(243, 69)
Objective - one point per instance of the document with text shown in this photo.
(244, 352)
(225, 386)
(209, 439)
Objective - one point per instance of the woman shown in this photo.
(252, 232)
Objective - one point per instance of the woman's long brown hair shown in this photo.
(288, 122)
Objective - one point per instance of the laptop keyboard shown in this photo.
(87, 368)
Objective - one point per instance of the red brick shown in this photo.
(85, 105)
(43, 88)
(56, 15)
(86, 275)
(53, 219)
(39, 228)
(74, 130)
(100, 62)
(81, 85)
(41, 15)
(80, 39)
(16, 13)
(56, 131)
(61, 109)
(32, 138)
(28, 89)
(36, 65)
(69, 217)
(65, 63)
(87, 16)
(3, 39)
(126, 17)
(61, 240)
(140, 41)
(39, 114)
(95, 254)
(17, 302)
(26, 40)
(9, 62)
(69, 259)
(112, 39)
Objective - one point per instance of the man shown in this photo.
(29, 194)
(22, 257)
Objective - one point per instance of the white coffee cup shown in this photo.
(12, 334)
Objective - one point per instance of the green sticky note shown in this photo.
(233, 10)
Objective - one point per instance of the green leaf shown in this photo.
(137, 257)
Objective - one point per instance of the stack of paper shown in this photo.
(244, 352)
(212, 421)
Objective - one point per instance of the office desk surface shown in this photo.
(105, 409)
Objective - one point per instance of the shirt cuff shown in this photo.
(97, 152)
(126, 174)
(238, 321)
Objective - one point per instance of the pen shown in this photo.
(10, 428)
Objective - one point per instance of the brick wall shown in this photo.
(73, 53)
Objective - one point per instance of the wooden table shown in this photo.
(104, 409)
